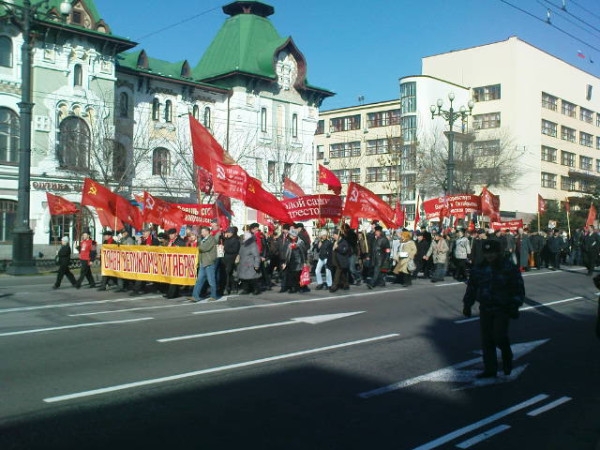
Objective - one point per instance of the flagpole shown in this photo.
(568, 223)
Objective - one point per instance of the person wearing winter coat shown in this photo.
(462, 252)
(524, 248)
(64, 260)
(406, 253)
(231, 250)
(323, 250)
(380, 252)
(497, 285)
(249, 265)
(340, 255)
(294, 259)
(438, 253)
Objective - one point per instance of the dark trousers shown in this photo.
(461, 269)
(340, 279)
(292, 279)
(378, 278)
(86, 272)
(589, 260)
(494, 333)
(63, 270)
(230, 282)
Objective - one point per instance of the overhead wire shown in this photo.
(560, 10)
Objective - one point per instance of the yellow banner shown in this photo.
(173, 265)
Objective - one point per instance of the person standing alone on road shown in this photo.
(64, 260)
(85, 256)
(498, 286)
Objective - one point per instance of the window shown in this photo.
(549, 101)
(155, 109)
(345, 123)
(586, 186)
(287, 170)
(408, 97)
(271, 171)
(569, 109)
(320, 127)
(348, 175)
(119, 160)
(6, 52)
(8, 214)
(567, 159)
(383, 118)
(586, 115)
(409, 128)
(485, 121)
(486, 148)
(586, 163)
(294, 125)
(598, 165)
(123, 105)
(77, 75)
(549, 128)
(548, 180)
(71, 225)
(375, 174)
(207, 118)
(168, 111)
(196, 112)
(320, 152)
(487, 93)
(263, 120)
(597, 120)
(383, 146)
(586, 139)
(9, 136)
(74, 144)
(598, 142)
(567, 134)
(567, 184)
(161, 162)
(408, 160)
(549, 154)
(345, 150)
(408, 183)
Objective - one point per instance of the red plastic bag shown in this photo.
(305, 276)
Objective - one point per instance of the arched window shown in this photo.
(74, 144)
(119, 160)
(207, 117)
(155, 109)
(295, 125)
(72, 226)
(168, 111)
(8, 213)
(77, 75)
(161, 162)
(6, 52)
(196, 112)
(9, 136)
(123, 105)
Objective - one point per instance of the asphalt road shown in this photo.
(389, 368)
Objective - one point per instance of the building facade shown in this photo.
(121, 117)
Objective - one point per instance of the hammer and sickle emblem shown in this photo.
(150, 203)
(93, 190)
(221, 173)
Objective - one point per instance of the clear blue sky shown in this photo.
(361, 48)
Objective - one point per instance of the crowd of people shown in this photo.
(256, 259)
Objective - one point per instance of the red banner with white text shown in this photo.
(512, 225)
(324, 206)
(458, 206)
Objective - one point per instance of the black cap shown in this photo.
(480, 231)
(171, 231)
(230, 230)
(378, 228)
(108, 233)
(162, 236)
(491, 246)
(254, 225)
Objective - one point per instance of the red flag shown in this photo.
(59, 205)
(204, 178)
(291, 189)
(128, 213)
(104, 200)
(541, 205)
(399, 214)
(591, 218)
(327, 177)
(362, 203)
(162, 213)
(108, 220)
(206, 148)
(417, 214)
(261, 200)
(230, 179)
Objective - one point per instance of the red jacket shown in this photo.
(85, 248)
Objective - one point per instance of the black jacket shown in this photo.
(64, 255)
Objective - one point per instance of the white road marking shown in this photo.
(483, 436)
(549, 406)
(62, 398)
(527, 308)
(482, 423)
(313, 320)
(454, 374)
(140, 308)
(67, 305)
(67, 327)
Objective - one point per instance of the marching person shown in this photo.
(406, 253)
(497, 285)
(324, 246)
(231, 250)
(249, 271)
(207, 260)
(85, 256)
(340, 255)
(438, 252)
(293, 261)
(380, 254)
(64, 260)
(462, 252)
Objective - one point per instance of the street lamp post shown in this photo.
(22, 249)
(450, 116)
